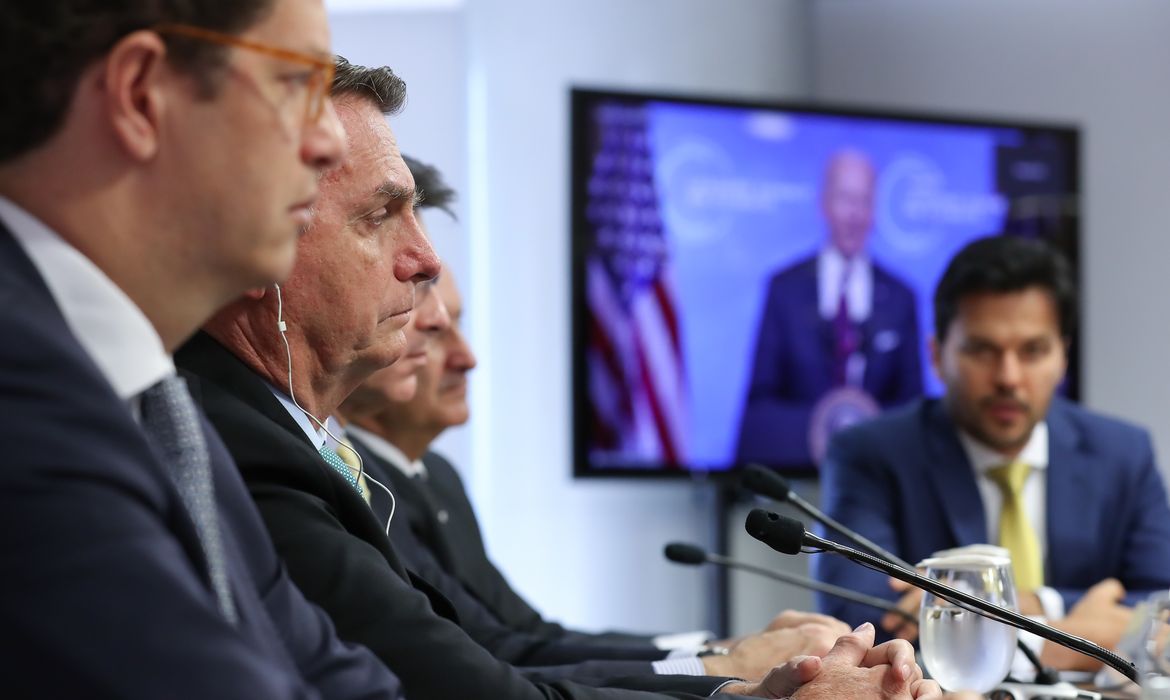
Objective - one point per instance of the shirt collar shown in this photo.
(833, 257)
(983, 458)
(108, 324)
(316, 435)
(388, 451)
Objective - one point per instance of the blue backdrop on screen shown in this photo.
(689, 211)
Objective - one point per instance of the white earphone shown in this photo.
(282, 327)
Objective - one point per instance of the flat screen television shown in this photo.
(748, 277)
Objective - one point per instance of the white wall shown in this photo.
(588, 552)
(1105, 66)
(427, 49)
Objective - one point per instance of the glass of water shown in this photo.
(963, 650)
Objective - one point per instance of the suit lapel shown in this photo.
(1069, 482)
(952, 478)
(204, 357)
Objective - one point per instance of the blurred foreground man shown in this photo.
(274, 366)
(157, 159)
(1074, 496)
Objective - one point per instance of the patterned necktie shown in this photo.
(1015, 530)
(347, 471)
(169, 416)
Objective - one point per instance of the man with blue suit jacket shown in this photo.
(133, 563)
(1087, 504)
(838, 338)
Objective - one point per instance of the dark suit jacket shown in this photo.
(904, 481)
(104, 590)
(481, 624)
(336, 549)
(440, 515)
(794, 354)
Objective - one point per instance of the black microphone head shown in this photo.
(683, 553)
(784, 535)
(766, 482)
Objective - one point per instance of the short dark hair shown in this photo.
(428, 181)
(379, 85)
(1003, 264)
(45, 45)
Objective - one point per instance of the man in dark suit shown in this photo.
(340, 317)
(397, 413)
(1074, 495)
(133, 563)
(838, 338)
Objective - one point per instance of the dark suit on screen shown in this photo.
(904, 481)
(104, 589)
(336, 549)
(439, 513)
(793, 369)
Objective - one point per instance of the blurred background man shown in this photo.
(1001, 458)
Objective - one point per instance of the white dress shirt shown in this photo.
(831, 267)
(388, 451)
(1035, 455)
(314, 433)
(110, 327)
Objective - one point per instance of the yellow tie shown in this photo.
(349, 456)
(1015, 530)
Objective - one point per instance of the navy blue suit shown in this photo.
(904, 481)
(793, 365)
(104, 590)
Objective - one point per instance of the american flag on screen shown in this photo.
(637, 381)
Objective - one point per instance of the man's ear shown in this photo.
(934, 348)
(134, 78)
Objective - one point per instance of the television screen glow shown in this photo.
(706, 334)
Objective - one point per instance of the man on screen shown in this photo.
(1075, 496)
(838, 339)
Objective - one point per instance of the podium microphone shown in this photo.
(768, 483)
(693, 555)
(788, 536)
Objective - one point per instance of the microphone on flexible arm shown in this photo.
(788, 536)
(765, 482)
(693, 555)
(768, 483)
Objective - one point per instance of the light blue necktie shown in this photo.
(170, 417)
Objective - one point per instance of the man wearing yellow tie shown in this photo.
(1073, 495)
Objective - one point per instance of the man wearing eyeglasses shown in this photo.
(157, 159)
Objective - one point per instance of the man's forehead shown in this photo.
(299, 25)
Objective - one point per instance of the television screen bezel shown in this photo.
(582, 97)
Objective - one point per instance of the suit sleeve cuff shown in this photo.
(689, 666)
(1051, 602)
(724, 684)
(682, 640)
